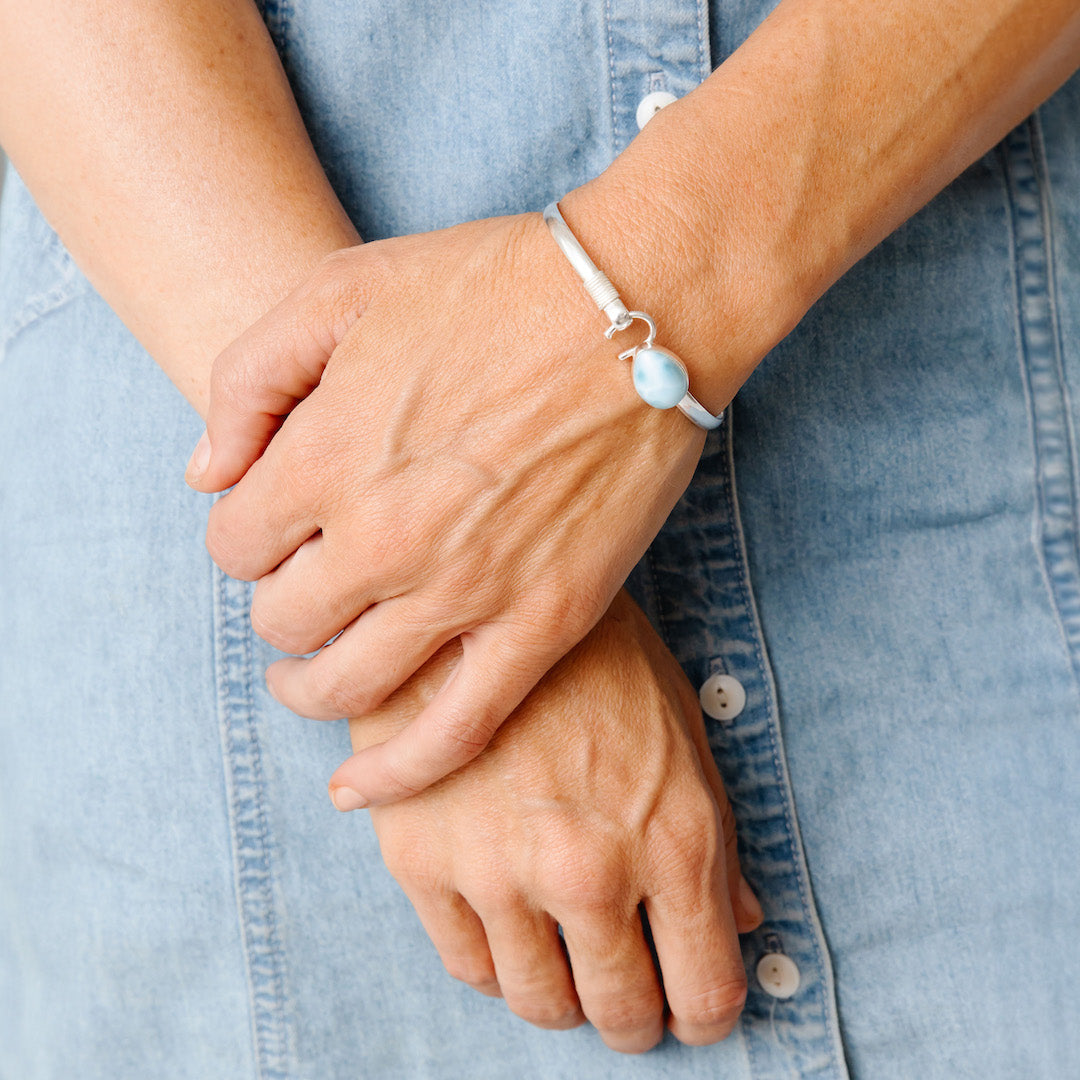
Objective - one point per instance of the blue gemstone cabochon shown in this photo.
(659, 377)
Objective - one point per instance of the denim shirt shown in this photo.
(873, 578)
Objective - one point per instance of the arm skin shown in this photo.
(179, 175)
(831, 125)
(494, 478)
(162, 142)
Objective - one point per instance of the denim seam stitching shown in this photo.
(1030, 273)
(1018, 333)
(221, 651)
(277, 973)
(1036, 534)
(1054, 320)
(704, 53)
(249, 836)
(611, 77)
(48, 300)
(827, 1005)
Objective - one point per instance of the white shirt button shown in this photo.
(651, 104)
(722, 697)
(778, 974)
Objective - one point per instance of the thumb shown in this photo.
(449, 731)
(271, 367)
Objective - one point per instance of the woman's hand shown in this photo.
(597, 800)
(464, 456)
(474, 462)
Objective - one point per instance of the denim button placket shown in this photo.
(699, 594)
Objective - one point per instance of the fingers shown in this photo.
(744, 904)
(701, 961)
(273, 365)
(458, 935)
(747, 908)
(302, 604)
(265, 518)
(513, 951)
(616, 979)
(486, 686)
(697, 918)
(367, 662)
(530, 965)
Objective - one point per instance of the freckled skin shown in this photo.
(163, 144)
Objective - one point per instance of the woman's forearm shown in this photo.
(162, 142)
(740, 204)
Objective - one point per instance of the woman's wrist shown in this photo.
(740, 204)
(671, 248)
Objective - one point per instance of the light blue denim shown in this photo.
(880, 544)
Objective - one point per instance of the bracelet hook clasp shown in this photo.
(624, 324)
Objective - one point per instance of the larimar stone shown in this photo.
(659, 377)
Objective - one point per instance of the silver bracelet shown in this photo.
(660, 377)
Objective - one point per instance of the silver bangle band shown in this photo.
(607, 299)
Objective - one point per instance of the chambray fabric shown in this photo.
(880, 544)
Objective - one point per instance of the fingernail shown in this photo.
(749, 902)
(200, 458)
(344, 798)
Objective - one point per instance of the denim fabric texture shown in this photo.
(880, 544)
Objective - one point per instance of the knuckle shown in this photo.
(392, 541)
(301, 468)
(400, 859)
(569, 609)
(587, 896)
(463, 737)
(223, 379)
(332, 283)
(691, 843)
(474, 971)
(401, 864)
(268, 624)
(697, 845)
(625, 1015)
(586, 881)
(400, 780)
(334, 264)
(469, 584)
(227, 549)
(558, 1011)
(339, 286)
(716, 1007)
(411, 864)
(238, 379)
(338, 690)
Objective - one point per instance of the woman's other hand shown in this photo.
(596, 802)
